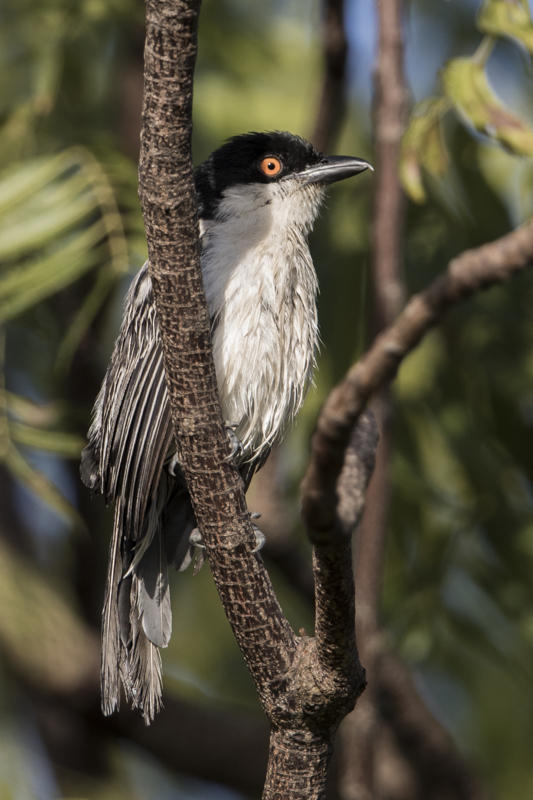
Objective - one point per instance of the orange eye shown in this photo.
(271, 166)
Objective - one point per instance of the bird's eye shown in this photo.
(271, 166)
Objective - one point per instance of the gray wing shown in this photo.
(128, 443)
(131, 433)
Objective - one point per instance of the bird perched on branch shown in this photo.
(258, 197)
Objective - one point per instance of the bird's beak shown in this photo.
(334, 168)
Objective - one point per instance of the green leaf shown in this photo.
(467, 87)
(25, 180)
(35, 226)
(30, 413)
(43, 633)
(39, 484)
(423, 147)
(83, 318)
(37, 279)
(509, 18)
(66, 445)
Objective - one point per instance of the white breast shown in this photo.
(261, 292)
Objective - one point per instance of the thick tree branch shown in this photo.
(169, 207)
(302, 694)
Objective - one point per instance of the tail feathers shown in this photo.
(137, 616)
(151, 594)
(112, 646)
(141, 669)
(137, 620)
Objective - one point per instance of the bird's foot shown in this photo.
(259, 538)
(196, 538)
(259, 535)
(174, 465)
(197, 543)
(235, 443)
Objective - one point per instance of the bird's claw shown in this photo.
(196, 541)
(174, 465)
(196, 538)
(197, 548)
(259, 539)
(235, 444)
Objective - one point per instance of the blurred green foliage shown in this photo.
(458, 598)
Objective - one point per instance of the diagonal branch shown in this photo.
(468, 273)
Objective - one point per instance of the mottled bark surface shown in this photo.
(306, 685)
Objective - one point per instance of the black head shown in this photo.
(267, 158)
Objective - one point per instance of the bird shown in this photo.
(258, 196)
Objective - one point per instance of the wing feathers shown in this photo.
(129, 441)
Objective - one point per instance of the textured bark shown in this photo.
(306, 685)
(170, 213)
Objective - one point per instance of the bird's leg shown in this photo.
(235, 453)
(196, 541)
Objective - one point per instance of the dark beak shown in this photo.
(334, 168)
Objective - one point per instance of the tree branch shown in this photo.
(332, 563)
(389, 110)
(472, 271)
(390, 101)
(300, 692)
(428, 750)
(468, 273)
(332, 101)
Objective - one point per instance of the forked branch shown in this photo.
(305, 685)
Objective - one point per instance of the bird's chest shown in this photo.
(264, 338)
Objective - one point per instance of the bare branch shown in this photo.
(466, 274)
(334, 587)
(390, 102)
(333, 93)
(430, 754)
